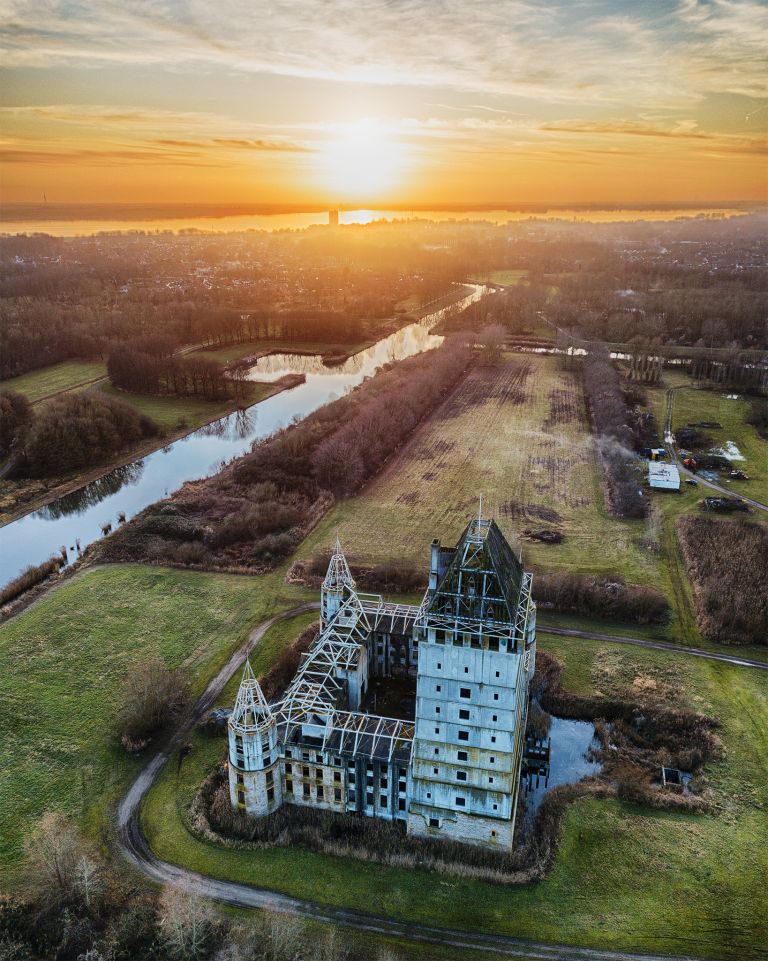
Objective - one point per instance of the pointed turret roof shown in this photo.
(338, 575)
(483, 565)
(251, 709)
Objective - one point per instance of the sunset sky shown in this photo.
(371, 102)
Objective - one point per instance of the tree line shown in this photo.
(252, 514)
(74, 903)
(614, 436)
(141, 372)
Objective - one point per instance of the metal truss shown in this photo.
(251, 713)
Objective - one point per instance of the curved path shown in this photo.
(669, 443)
(135, 848)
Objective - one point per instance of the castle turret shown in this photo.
(336, 586)
(254, 773)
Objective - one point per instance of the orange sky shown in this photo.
(357, 102)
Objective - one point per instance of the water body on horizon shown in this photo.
(129, 489)
(51, 224)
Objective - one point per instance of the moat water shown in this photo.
(79, 516)
(569, 762)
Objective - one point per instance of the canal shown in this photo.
(79, 516)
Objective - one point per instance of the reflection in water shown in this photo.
(569, 760)
(408, 340)
(81, 500)
(127, 490)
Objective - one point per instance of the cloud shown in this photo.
(107, 157)
(670, 52)
(720, 143)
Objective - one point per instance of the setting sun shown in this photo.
(362, 159)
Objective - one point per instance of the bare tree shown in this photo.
(186, 924)
(55, 853)
(492, 342)
(88, 879)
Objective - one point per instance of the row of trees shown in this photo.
(610, 424)
(141, 372)
(15, 417)
(605, 597)
(253, 513)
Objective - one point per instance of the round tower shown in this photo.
(255, 783)
(336, 586)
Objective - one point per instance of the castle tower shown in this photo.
(254, 769)
(336, 586)
(477, 645)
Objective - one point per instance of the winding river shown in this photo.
(79, 516)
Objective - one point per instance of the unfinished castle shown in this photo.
(452, 772)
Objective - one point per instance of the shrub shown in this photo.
(153, 695)
(606, 597)
(28, 578)
(727, 562)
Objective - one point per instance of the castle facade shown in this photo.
(454, 771)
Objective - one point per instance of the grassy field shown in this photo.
(49, 380)
(177, 413)
(61, 668)
(693, 404)
(518, 434)
(625, 876)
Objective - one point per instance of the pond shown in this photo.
(569, 742)
(129, 489)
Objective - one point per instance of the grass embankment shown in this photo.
(176, 417)
(624, 877)
(187, 413)
(69, 374)
(62, 664)
(521, 439)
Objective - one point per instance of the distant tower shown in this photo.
(254, 772)
(336, 586)
(333, 218)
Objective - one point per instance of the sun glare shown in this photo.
(361, 161)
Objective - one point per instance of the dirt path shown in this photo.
(136, 850)
(543, 628)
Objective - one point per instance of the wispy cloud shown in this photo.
(684, 131)
(667, 52)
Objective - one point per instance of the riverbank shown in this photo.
(19, 498)
(334, 353)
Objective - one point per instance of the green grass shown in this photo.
(62, 664)
(624, 877)
(693, 404)
(175, 413)
(527, 448)
(49, 380)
